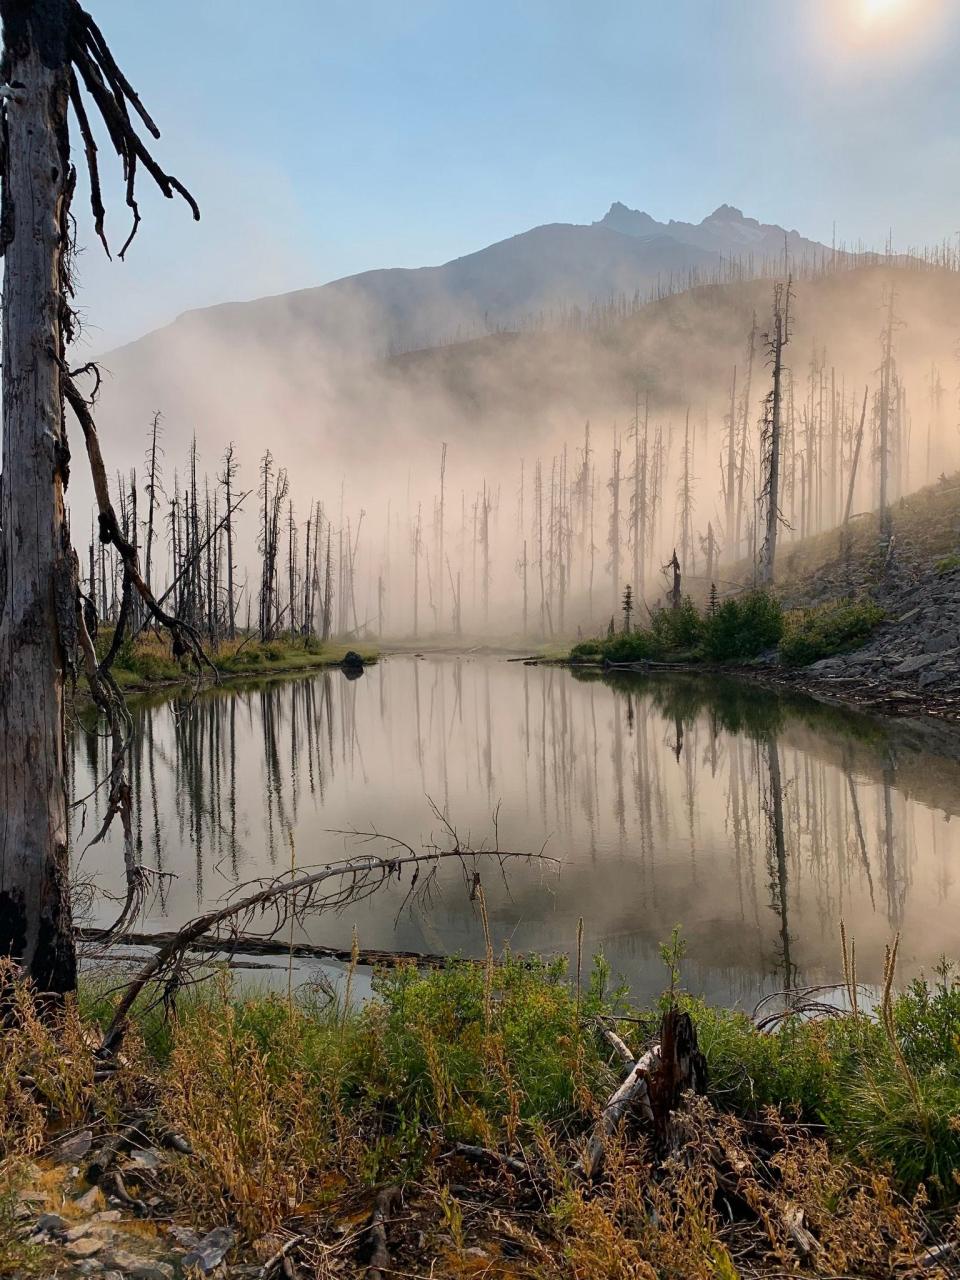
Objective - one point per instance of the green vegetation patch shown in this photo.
(811, 634)
(737, 630)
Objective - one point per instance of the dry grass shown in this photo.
(296, 1113)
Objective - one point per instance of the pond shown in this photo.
(753, 819)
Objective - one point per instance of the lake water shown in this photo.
(752, 819)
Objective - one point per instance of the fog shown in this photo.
(362, 432)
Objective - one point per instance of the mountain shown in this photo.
(725, 232)
(539, 273)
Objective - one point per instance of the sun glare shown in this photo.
(878, 10)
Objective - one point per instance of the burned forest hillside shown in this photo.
(513, 390)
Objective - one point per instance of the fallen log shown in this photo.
(634, 1092)
(495, 1159)
(251, 944)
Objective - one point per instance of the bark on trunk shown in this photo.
(37, 566)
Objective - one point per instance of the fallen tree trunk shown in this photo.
(252, 945)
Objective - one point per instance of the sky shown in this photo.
(327, 137)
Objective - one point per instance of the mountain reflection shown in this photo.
(752, 819)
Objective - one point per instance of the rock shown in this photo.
(89, 1267)
(909, 615)
(89, 1201)
(51, 1224)
(79, 1230)
(826, 666)
(211, 1250)
(935, 675)
(132, 1267)
(946, 642)
(74, 1148)
(184, 1237)
(351, 661)
(148, 1158)
(909, 666)
(84, 1247)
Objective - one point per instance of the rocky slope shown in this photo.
(911, 662)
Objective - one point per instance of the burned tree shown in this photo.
(775, 341)
(53, 51)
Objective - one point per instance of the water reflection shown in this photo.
(754, 820)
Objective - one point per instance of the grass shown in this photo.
(148, 660)
(821, 632)
(298, 1108)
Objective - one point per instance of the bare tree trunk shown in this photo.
(38, 573)
(731, 473)
(886, 378)
(771, 490)
(229, 471)
(856, 460)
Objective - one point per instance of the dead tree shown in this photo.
(226, 479)
(613, 530)
(856, 460)
(441, 514)
(685, 499)
(886, 390)
(770, 493)
(745, 421)
(51, 49)
(673, 564)
(638, 498)
(416, 573)
(153, 465)
(730, 473)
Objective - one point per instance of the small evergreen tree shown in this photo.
(627, 608)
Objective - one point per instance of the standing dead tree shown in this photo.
(613, 531)
(227, 479)
(771, 436)
(53, 52)
(887, 377)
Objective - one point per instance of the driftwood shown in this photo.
(495, 1159)
(634, 1092)
(280, 1258)
(251, 944)
(378, 1256)
(652, 1088)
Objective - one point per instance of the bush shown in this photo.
(680, 629)
(638, 646)
(743, 627)
(811, 634)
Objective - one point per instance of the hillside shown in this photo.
(542, 271)
(521, 390)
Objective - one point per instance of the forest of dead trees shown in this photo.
(697, 497)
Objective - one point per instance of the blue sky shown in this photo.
(323, 138)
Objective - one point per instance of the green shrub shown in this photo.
(587, 651)
(743, 627)
(680, 629)
(811, 634)
(638, 646)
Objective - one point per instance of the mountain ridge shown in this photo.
(540, 271)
